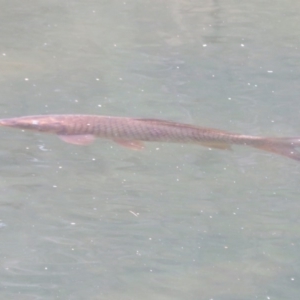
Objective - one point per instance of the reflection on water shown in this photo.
(172, 221)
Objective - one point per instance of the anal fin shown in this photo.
(134, 145)
(222, 146)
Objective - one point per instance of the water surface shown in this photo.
(172, 221)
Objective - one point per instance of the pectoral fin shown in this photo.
(134, 145)
(78, 139)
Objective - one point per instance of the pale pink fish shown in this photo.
(131, 132)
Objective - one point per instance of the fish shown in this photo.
(133, 132)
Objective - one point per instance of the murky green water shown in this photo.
(172, 221)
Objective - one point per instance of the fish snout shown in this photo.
(25, 123)
(8, 122)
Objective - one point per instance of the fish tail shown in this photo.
(282, 146)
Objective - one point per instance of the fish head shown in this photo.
(49, 124)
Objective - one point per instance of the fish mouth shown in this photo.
(7, 122)
(17, 123)
(35, 123)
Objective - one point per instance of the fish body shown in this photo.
(132, 132)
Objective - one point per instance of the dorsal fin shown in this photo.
(181, 125)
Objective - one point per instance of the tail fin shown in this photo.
(282, 146)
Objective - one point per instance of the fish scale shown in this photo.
(132, 132)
